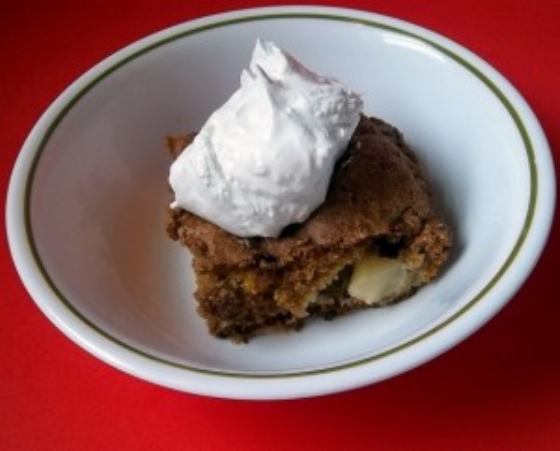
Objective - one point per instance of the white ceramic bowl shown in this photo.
(87, 201)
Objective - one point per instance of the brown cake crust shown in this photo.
(378, 197)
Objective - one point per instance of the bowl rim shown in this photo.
(394, 360)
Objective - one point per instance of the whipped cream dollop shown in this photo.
(265, 158)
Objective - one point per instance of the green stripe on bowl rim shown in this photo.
(274, 16)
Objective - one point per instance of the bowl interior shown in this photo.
(98, 193)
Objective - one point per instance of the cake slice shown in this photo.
(375, 240)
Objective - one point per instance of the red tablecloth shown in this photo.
(500, 389)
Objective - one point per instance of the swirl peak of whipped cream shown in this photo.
(264, 159)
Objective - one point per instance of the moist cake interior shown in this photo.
(375, 240)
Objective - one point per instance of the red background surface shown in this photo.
(497, 390)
